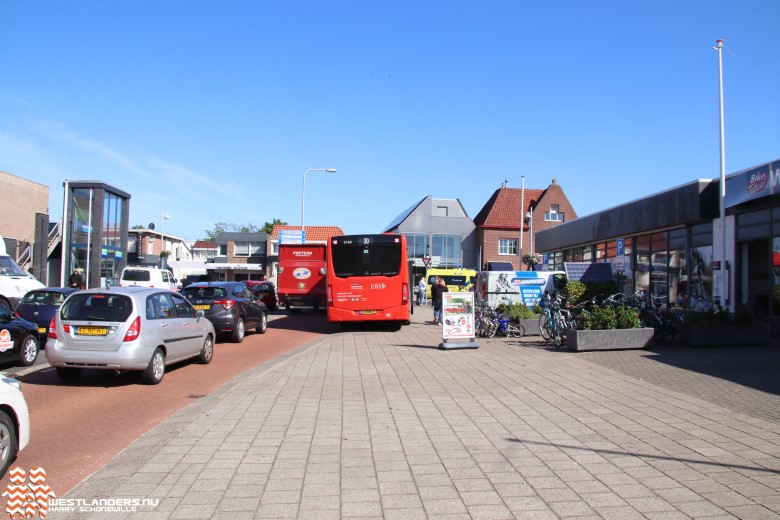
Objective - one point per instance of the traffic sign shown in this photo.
(426, 261)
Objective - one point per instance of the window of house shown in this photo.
(507, 246)
(248, 248)
(554, 215)
(223, 250)
(150, 246)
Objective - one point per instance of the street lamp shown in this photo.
(530, 218)
(303, 192)
(164, 216)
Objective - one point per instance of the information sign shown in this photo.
(287, 236)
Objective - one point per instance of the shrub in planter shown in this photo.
(574, 291)
(517, 312)
(609, 318)
(716, 316)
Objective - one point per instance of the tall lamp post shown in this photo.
(163, 217)
(724, 287)
(530, 217)
(303, 192)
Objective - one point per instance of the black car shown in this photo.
(230, 306)
(40, 305)
(18, 339)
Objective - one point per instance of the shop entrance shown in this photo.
(757, 280)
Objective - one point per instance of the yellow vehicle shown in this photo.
(456, 280)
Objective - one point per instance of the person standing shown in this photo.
(442, 289)
(421, 290)
(76, 280)
(436, 299)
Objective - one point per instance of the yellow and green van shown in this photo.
(456, 280)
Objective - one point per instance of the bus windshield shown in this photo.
(375, 259)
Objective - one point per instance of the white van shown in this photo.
(15, 282)
(147, 277)
(508, 287)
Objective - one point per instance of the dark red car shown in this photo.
(265, 291)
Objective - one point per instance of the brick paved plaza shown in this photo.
(381, 424)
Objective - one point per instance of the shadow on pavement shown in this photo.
(755, 366)
(707, 462)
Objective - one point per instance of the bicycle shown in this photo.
(552, 324)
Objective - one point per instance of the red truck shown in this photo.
(302, 271)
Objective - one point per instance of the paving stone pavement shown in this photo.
(381, 424)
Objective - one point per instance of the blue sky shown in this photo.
(212, 111)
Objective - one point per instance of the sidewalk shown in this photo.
(378, 424)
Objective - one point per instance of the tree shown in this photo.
(223, 227)
(269, 226)
(138, 226)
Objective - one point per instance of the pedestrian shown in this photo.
(421, 290)
(435, 299)
(442, 289)
(76, 280)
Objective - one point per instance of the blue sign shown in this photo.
(292, 236)
(620, 245)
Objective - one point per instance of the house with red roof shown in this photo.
(507, 223)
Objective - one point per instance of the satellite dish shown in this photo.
(151, 226)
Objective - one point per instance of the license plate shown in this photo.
(91, 331)
(42, 330)
(202, 307)
(366, 312)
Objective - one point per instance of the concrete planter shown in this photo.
(616, 339)
(724, 335)
(531, 327)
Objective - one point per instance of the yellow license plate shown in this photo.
(42, 330)
(91, 331)
(366, 312)
(202, 307)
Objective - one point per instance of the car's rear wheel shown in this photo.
(67, 373)
(156, 370)
(207, 354)
(239, 331)
(28, 352)
(5, 305)
(9, 444)
(263, 324)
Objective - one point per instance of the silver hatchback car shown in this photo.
(127, 328)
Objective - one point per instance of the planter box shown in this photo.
(531, 327)
(723, 335)
(617, 339)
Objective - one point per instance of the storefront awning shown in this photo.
(234, 267)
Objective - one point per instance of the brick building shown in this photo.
(498, 222)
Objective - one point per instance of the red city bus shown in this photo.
(368, 279)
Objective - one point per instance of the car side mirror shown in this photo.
(199, 314)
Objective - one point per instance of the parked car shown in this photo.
(14, 421)
(127, 328)
(18, 339)
(264, 291)
(38, 306)
(231, 307)
(148, 277)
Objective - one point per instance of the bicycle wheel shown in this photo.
(515, 331)
(544, 327)
(558, 337)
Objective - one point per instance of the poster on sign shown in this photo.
(458, 312)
